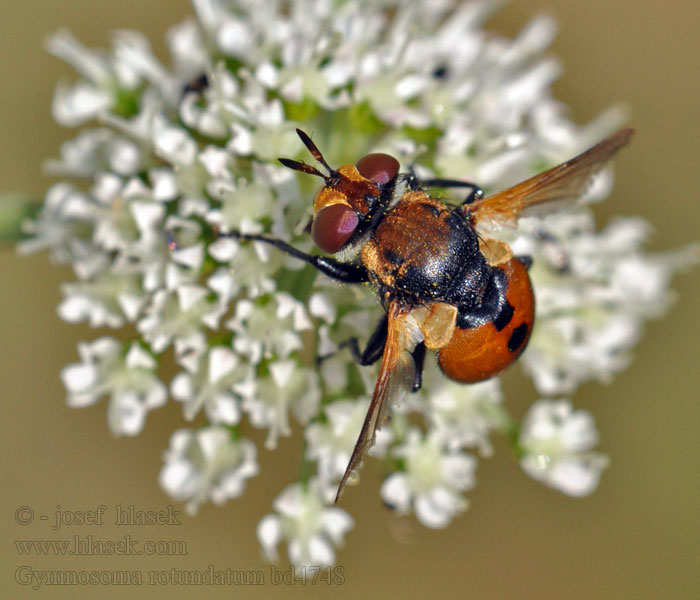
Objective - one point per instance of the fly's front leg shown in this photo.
(373, 350)
(345, 272)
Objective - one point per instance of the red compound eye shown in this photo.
(332, 227)
(378, 167)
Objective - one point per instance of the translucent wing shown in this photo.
(396, 375)
(560, 184)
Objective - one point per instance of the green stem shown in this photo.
(506, 426)
(235, 431)
(305, 468)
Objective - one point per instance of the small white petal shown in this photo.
(320, 551)
(223, 283)
(163, 183)
(576, 476)
(224, 410)
(221, 362)
(74, 309)
(321, 307)
(396, 492)
(282, 372)
(148, 215)
(267, 75)
(336, 522)
(175, 146)
(191, 257)
(79, 378)
(178, 479)
(137, 357)
(131, 305)
(74, 106)
(126, 414)
(181, 386)
(189, 295)
(431, 514)
(269, 534)
(223, 249)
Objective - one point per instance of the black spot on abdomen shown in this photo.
(517, 337)
(504, 316)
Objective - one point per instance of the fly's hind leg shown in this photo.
(375, 348)
(419, 360)
(475, 192)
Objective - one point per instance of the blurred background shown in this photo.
(638, 536)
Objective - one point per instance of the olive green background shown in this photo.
(636, 537)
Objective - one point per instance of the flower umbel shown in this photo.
(310, 528)
(432, 479)
(127, 375)
(178, 156)
(207, 464)
(556, 443)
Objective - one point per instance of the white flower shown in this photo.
(128, 377)
(208, 464)
(64, 225)
(110, 298)
(187, 48)
(132, 50)
(126, 214)
(242, 202)
(431, 481)
(465, 415)
(594, 290)
(90, 152)
(288, 388)
(310, 529)
(179, 316)
(163, 267)
(556, 442)
(252, 266)
(211, 386)
(97, 92)
(331, 442)
(269, 329)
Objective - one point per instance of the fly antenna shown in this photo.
(315, 152)
(301, 166)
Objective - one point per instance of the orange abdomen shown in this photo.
(477, 353)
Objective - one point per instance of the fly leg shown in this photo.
(375, 348)
(419, 359)
(475, 192)
(345, 272)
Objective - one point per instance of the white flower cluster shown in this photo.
(594, 290)
(170, 157)
(555, 442)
